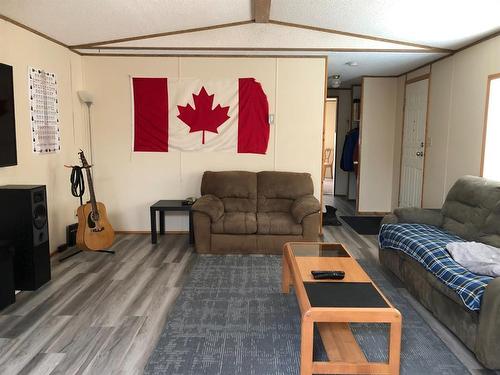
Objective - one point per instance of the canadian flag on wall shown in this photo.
(195, 115)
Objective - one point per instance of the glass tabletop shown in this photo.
(314, 249)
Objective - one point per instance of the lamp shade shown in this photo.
(85, 96)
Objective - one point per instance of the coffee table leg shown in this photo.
(154, 234)
(285, 276)
(306, 346)
(395, 346)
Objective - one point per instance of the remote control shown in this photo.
(323, 275)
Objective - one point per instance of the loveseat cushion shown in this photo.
(278, 190)
(236, 189)
(277, 223)
(468, 204)
(490, 230)
(427, 245)
(236, 223)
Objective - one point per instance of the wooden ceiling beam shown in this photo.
(167, 33)
(305, 49)
(261, 10)
(362, 36)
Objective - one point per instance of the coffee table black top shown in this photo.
(171, 205)
(343, 294)
(318, 249)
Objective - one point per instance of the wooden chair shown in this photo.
(328, 162)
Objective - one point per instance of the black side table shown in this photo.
(173, 206)
(7, 290)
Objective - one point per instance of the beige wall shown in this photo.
(129, 182)
(378, 127)
(456, 117)
(21, 49)
(438, 124)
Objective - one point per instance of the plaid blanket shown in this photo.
(427, 245)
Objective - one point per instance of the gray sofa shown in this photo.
(248, 212)
(472, 211)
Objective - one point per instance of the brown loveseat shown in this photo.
(248, 212)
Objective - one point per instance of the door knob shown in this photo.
(419, 153)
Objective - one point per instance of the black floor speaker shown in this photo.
(7, 291)
(24, 221)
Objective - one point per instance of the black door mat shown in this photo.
(364, 224)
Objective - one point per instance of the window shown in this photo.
(491, 147)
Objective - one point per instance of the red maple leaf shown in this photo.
(204, 117)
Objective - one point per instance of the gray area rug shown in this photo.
(231, 318)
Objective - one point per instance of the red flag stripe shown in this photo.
(253, 117)
(150, 114)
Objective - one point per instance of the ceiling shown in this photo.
(385, 37)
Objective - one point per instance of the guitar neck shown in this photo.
(93, 201)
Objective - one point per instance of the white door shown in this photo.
(412, 162)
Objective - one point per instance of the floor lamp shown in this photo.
(86, 97)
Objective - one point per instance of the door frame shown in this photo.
(422, 77)
(337, 138)
(360, 140)
(331, 99)
(491, 77)
(360, 85)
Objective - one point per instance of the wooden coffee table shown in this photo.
(332, 305)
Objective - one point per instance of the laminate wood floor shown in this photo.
(102, 314)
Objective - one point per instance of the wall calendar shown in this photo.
(44, 111)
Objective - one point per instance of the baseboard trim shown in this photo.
(149, 232)
(371, 213)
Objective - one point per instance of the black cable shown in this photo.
(77, 183)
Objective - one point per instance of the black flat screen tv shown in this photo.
(8, 152)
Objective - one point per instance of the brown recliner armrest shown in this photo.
(303, 207)
(209, 205)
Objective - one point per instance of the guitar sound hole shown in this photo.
(90, 221)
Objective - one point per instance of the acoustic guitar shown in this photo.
(94, 231)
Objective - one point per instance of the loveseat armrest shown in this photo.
(488, 335)
(304, 206)
(210, 205)
(414, 215)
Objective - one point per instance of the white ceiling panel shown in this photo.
(86, 21)
(374, 64)
(260, 35)
(439, 23)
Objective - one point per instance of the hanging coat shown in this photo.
(350, 143)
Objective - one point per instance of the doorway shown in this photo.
(329, 149)
(413, 148)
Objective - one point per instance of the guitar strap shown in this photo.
(77, 183)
